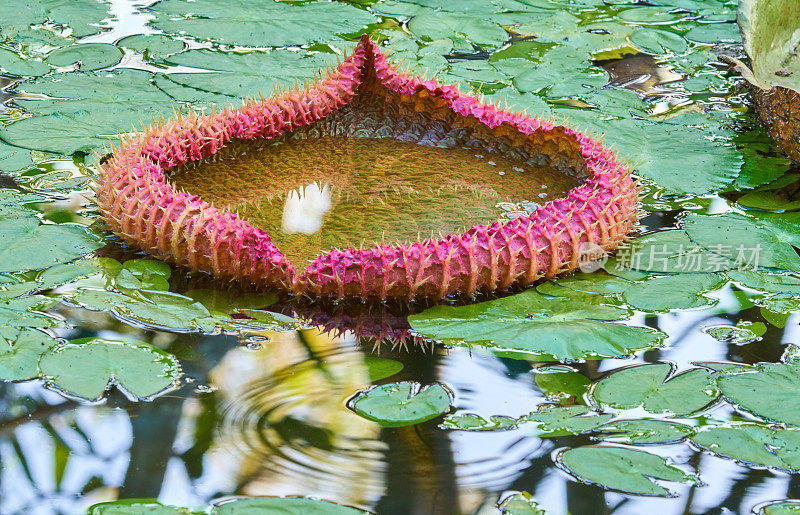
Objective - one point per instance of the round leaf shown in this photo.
(401, 404)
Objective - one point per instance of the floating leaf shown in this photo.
(155, 46)
(769, 390)
(520, 504)
(259, 24)
(742, 239)
(538, 326)
(14, 64)
(473, 422)
(13, 159)
(20, 350)
(401, 404)
(136, 507)
(787, 507)
(86, 368)
(643, 431)
(82, 16)
(90, 56)
(560, 380)
(767, 282)
(282, 505)
(753, 443)
(25, 312)
(63, 274)
(26, 244)
(654, 388)
(432, 25)
(565, 420)
(622, 469)
(684, 291)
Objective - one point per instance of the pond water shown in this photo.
(666, 380)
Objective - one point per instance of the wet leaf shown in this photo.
(20, 350)
(155, 46)
(536, 325)
(246, 74)
(565, 420)
(26, 312)
(64, 274)
(473, 422)
(26, 244)
(260, 24)
(559, 380)
(771, 446)
(281, 505)
(623, 469)
(89, 56)
(14, 64)
(401, 404)
(742, 239)
(684, 291)
(520, 504)
(654, 388)
(86, 368)
(787, 507)
(84, 17)
(769, 390)
(432, 25)
(136, 507)
(643, 431)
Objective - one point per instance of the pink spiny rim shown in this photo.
(144, 208)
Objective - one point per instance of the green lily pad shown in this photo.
(20, 350)
(473, 422)
(565, 420)
(770, 40)
(743, 240)
(151, 308)
(259, 24)
(401, 404)
(432, 25)
(536, 325)
(381, 368)
(84, 17)
(86, 368)
(136, 507)
(154, 46)
(520, 504)
(14, 158)
(767, 282)
(771, 446)
(654, 388)
(684, 291)
(643, 431)
(14, 64)
(26, 312)
(89, 56)
(623, 469)
(26, 244)
(59, 275)
(282, 505)
(787, 507)
(769, 390)
(560, 380)
(246, 74)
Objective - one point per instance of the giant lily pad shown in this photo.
(86, 368)
(536, 325)
(619, 468)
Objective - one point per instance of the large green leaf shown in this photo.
(401, 404)
(82, 16)
(20, 350)
(259, 24)
(654, 388)
(682, 291)
(769, 390)
(90, 56)
(26, 244)
(246, 74)
(769, 29)
(771, 446)
(14, 64)
(26, 311)
(742, 239)
(619, 468)
(537, 325)
(86, 368)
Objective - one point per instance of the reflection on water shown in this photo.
(271, 420)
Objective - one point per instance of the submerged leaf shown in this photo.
(622, 469)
